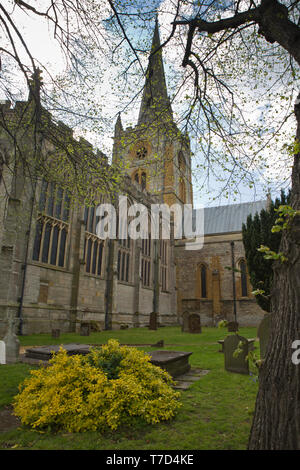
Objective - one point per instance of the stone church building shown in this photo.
(55, 270)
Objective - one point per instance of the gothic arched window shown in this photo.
(203, 281)
(124, 251)
(124, 258)
(140, 177)
(52, 226)
(164, 264)
(181, 161)
(146, 260)
(93, 245)
(182, 191)
(143, 180)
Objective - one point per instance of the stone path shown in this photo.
(8, 420)
(183, 382)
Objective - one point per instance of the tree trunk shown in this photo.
(276, 26)
(276, 422)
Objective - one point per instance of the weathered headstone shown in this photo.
(263, 333)
(135, 320)
(12, 343)
(194, 323)
(236, 362)
(153, 321)
(2, 353)
(85, 329)
(55, 333)
(185, 322)
(232, 326)
(189, 306)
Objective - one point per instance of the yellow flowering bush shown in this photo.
(102, 389)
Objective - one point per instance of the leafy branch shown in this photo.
(283, 222)
(286, 216)
(269, 254)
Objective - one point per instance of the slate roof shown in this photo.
(228, 219)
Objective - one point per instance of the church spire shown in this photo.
(117, 138)
(155, 105)
(118, 126)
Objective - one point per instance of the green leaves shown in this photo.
(222, 324)
(286, 215)
(269, 254)
(258, 292)
(283, 222)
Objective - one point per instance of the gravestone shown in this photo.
(55, 333)
(185, 322)
(194, 323)
(2, 353)
(153, 321)
(232, 326)
(12, 344)
(263, 333)
(85, 329)
(236, 363)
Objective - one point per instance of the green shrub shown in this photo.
(103, 389)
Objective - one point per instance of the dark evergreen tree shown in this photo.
(257, 232)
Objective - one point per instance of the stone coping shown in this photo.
(168, 356)
(79, 348)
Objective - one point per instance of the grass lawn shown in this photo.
(216, 412)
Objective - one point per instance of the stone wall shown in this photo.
(218, 303)
(63, 297)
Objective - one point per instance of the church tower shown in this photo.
(154, 153)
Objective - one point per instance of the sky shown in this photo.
(40, 41)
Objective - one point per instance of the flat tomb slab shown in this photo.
(174, 362)
(45, 352)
